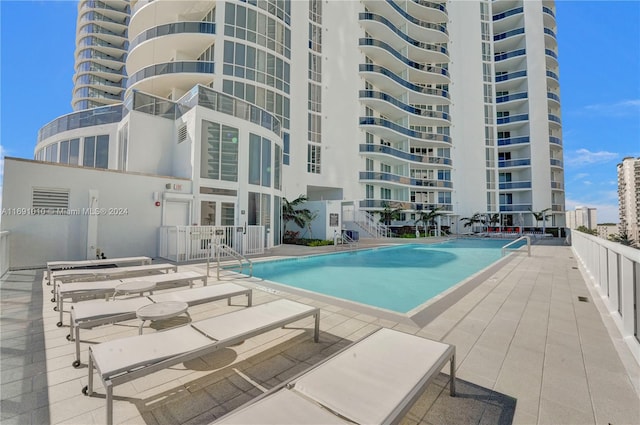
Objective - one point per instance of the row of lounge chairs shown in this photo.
(375, 380)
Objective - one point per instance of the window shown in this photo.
(315, 38)
(123, 146)
(287, 148)
(444, 197)
(315, 67)
(313, 158)
(314, 128)
(96, 151)
(219, 152)
(314, 97)
(277, 168)
(51, 153)
(259, 160)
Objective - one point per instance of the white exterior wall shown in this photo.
(151, 144)
(467, 109)
(321, 227)
(130, 231)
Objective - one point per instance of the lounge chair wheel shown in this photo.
(48, 283)
(59, 324)
(85, 389)
(53, 300)
(55, 308)
(76, 364)
(68, 337)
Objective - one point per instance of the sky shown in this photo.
(598, 49)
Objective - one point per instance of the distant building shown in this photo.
(629, 197)
(606, 230)
(582, 216)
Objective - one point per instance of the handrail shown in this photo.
(348, 240)
(219, 248)
(527, 238)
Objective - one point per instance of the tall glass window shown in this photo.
(89, 152)
(259, 160)
(219, 152)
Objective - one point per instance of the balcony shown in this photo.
(393, 108)
(508, 34)
(555, 140)
(557, 185)
(509, 55)
(383, 151)
(524, 208)
(511, 97)
(514, 141)
(431, 11)
(512, 12)
(395, 132)
(181, 75)
(510, 163)
(554, 97)
(515, 185)
(390, 82)
(150, 14)
(81, 119)
(555, 119)
(379, 177)
(512, 119)
(556, 162)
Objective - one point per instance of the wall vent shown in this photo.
(182, 133)
(583, 299)
(50, 200)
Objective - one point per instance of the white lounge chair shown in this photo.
(65, 265)
(90, 314)
(78, 290)
(126, 359)
(67, 276)
(373, 381)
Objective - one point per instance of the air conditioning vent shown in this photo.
(182, 133)
(50, 200)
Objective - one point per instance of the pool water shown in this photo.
(398, 278)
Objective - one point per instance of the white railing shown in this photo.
(223, 251)
(366, 221)
(614, 270)
(4, 252)
(189, 243)
(346, 240)
(521, 238)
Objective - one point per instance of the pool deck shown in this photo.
(528, 352)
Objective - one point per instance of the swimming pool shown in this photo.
(397, 278)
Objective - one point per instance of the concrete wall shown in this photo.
(126, 224)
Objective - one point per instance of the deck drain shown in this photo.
(583, 299)
(574, 268)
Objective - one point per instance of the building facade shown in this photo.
(582, 217)
(629, 198)
(422, 106)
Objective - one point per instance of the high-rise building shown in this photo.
(629, 198)
(422, 106)
(101, 50)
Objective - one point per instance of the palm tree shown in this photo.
(474, 219)
(540, 215)
(427, 218)
(388, 214)
(302, 217)
(494, 219)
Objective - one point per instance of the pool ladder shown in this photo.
(348, 241)
(226, 251)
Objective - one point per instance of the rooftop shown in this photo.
(529, 351)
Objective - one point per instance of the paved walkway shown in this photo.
(528, 352)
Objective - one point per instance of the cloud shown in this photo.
(583, 157)
(623, 107)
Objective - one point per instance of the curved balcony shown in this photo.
(553, 97)
(552, 79)
(387, 56)
(556, 162)
(92, 80)
(548, 17)
(113, 22)
(382, 28)
(390, 82)
(81, 119)
(159, 44)
(557, 185)
(429, 28)
(379, 177)
(393, 108)
(512, 97)
(93, 28)
(555, 118)
(428, 10)
(394, 132)
(97, 4)
(514, 185)
(156, 13)
(508, 34)
(524, 162)
(555, 140)
(99, 70)
(508, 13)
(181, 75)
(383, 151)
(115, 50)
(385, 203)
(512, 119)
(509, 55)
(508, 19)
(551, 57)
(509, 40)
(90, 93)
(514, 141)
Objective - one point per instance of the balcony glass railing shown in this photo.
(402, 58)
(420, 206)
(371, 94)
(556, 162)
(551, 53)
(548, 11)
(88, 79)
(198, 67)
(95, 41)
(550, 32)
(367, 67)
(91, 53)
(515, 185)
(413, 20)
(97, 4)
(198, 27)
(73, 121)
(514, 163)
(510, 97)
(406, 131)
(97, 29)
(94, 67)
(555, 140)
(509, 55)
(92, 93)
(367, 16)
(393, 178)
(557, 185)
(513, 141)
(432, 5)
(511, 76)
(371, 148)
(553, 75)
(508, 34)
(553, 96)
(507, 13)
(515, 207)
(511, 119)
(555, 118)
(96, 16)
